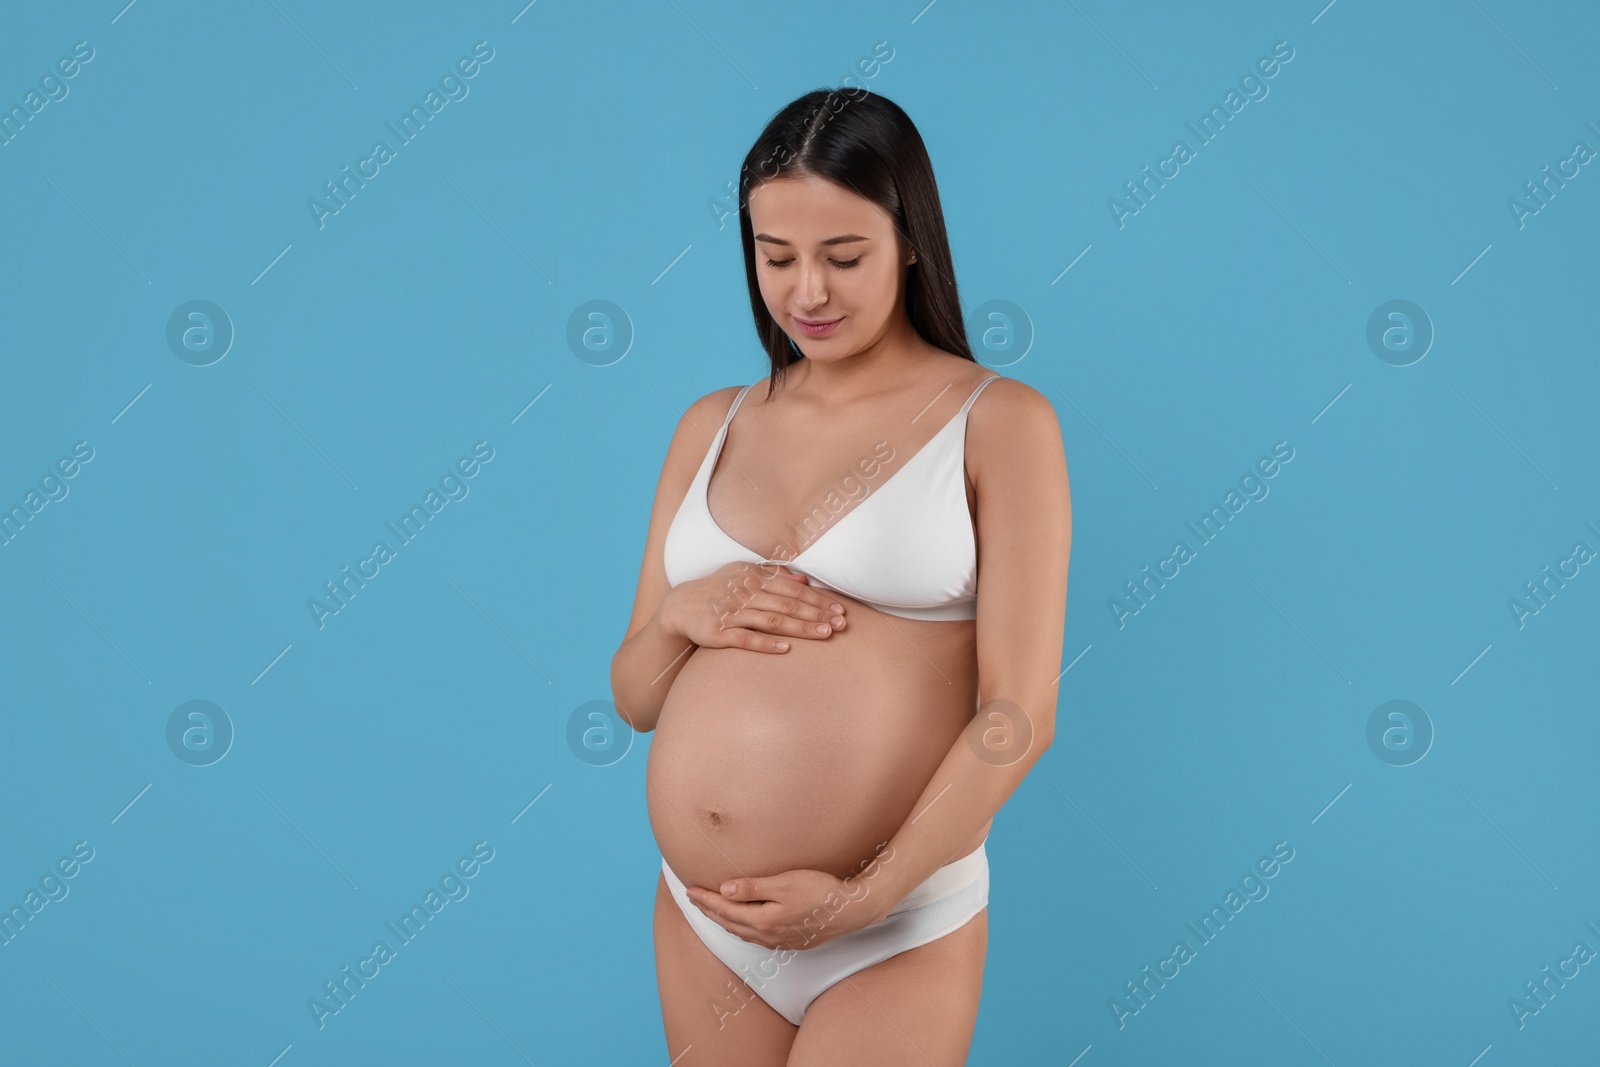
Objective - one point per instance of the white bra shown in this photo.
(906, 549)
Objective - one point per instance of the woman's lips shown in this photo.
(817, 329)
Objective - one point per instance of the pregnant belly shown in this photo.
(765, 763)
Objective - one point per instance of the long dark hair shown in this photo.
(865, 143)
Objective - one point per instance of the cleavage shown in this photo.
(790, 521)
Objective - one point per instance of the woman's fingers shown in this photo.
(794, 586)
(754, 640)
(811, 612)
(770, 614)
(813, 603)
(734, 926)
(773, 617)
(757, 608)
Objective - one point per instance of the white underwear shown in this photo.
(789, 980)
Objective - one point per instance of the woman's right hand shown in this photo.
(749, 605)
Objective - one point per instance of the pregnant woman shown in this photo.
(839, 712)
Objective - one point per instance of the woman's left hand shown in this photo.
(793, 910)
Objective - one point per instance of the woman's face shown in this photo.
(827, 255)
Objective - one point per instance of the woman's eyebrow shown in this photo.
(840, 240)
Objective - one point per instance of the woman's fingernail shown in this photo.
(821, 629)
(838, 620)
(837, 608)
(728, 888)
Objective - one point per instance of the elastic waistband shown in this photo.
(947, 880)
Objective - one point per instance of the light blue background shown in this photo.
(585, 163)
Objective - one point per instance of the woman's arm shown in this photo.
(639, 681)
(644, 667)
(1024, 538)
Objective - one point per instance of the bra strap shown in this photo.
(735, 405)
(981, 386)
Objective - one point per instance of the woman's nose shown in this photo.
(813, 290)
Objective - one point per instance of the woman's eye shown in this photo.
(835, 262)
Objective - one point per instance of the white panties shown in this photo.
(789, 980)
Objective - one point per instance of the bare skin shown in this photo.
(785, 755)
(817, 754)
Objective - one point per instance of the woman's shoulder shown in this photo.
(714, 406)
(1010, 413)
